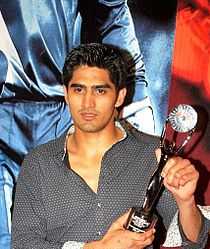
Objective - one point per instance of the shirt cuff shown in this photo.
(176, 238)
(73, 245)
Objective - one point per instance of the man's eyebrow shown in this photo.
(102, 86)
(76, 85)
(105, 85)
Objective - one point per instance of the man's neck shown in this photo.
(94, 142)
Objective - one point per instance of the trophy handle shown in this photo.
(155, 184)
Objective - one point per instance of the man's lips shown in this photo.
(88, 115)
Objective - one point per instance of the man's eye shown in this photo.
(100, 91)
(78, 89)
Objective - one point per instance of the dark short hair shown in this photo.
(117, 61)
(103, 56)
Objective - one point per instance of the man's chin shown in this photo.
(90, 128)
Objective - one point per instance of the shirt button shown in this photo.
(99, 204)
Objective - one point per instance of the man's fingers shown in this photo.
(173, 165)
(158, 154)
(193, 175)
(142, 236)
(145, 239)
(177, 172)
(121, 221)
(121, 238)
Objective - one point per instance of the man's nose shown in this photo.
(89, 100)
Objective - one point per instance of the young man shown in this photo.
(33, 45)
(72, 191)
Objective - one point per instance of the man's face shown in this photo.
(92, 99)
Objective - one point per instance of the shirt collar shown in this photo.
(72, 129)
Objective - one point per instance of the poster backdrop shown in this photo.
(155, 24)
(191, 81)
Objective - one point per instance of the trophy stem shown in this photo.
(143, 218)
(155, 185)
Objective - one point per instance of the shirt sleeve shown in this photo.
(29, 228)
(175, 236)
(73, 245)
(202, 238)
(119, 29)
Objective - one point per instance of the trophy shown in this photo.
(182, 119)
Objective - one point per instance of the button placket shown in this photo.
(99, 215)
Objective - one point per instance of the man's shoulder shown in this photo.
(42, 160)
(140, 137)
(50, 148)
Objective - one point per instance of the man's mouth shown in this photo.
(88, 116)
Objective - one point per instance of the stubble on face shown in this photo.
(91, 126)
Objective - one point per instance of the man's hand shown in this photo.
(117, 237)
(180, 178)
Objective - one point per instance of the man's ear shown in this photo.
(65, 94)
(121, 97)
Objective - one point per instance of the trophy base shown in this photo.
(139, 221)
